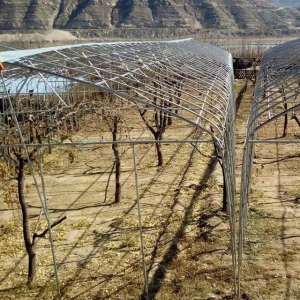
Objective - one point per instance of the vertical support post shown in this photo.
(228, 164)
(244, 189)
(140, 222)
(41, 170)
(31, 167)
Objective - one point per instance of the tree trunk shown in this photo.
(31, 266)
(25, 222)
(160, 160)
(285, 121)
(115, 149)
(49, 146)
(224, 200)
(118, 175)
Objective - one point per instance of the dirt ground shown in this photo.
(185, 233)
(98, 246)
(272, 260)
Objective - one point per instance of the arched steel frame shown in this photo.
(196, 80)
(277, 93)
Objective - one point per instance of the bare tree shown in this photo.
(159, 118)
(218, 156)
(113, 124)
(32, 129)
(158, 129)
(112, 117)
(285, 106)
(20, 158)
(30, 239)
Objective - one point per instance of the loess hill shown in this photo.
(235, 16)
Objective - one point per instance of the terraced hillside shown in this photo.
(250, 16)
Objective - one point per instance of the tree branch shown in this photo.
(42, 234)
(142, 114)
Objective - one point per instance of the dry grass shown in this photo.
(272, 268)
(186, 236)
(98, 246)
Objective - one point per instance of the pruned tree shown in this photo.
(112, 116)
(219, 157)
(21, 158)
(294, 115)
(175, 90)
(157, 129)
(158, 118)
(285, 106)
(21, 128)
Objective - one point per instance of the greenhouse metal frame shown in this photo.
(184, 79)
(276, 95)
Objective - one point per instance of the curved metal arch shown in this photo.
(201, 64)
(207, 69)
(167, 92)
(260, 109)
(280, 69)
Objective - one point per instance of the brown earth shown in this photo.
(227, 16)
(272, 260)
(186, 235)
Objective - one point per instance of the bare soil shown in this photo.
(272, 260)
(186, 235)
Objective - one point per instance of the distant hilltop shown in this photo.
(229, 16)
